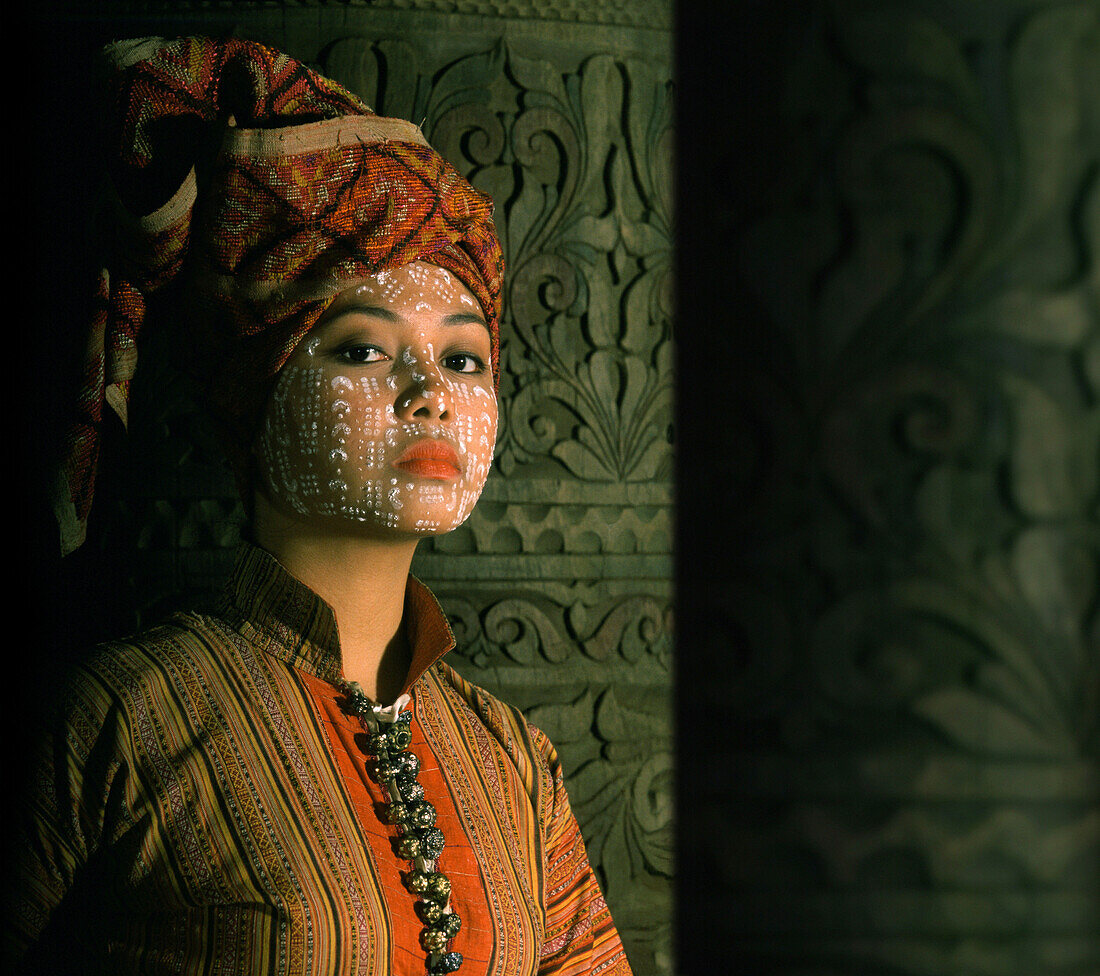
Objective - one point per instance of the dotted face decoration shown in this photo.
(385, 415)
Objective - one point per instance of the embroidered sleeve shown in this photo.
(580, 936)
(77, 801)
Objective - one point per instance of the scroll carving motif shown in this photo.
(535, 628)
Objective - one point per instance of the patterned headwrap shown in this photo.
(304, 191)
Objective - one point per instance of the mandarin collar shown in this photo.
(283, 617)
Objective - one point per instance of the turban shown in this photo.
(282, 188)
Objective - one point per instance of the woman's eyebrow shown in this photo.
(380, 310)
(389, 315)
(462, 318)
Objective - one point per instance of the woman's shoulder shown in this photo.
(484, 704)
(132, 666)
(528, 746)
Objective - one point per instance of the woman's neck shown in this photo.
(363, 580)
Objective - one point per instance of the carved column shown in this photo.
(895, 648)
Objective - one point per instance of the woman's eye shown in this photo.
(362, 354)
(462, 362)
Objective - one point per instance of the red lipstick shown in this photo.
(436, 460)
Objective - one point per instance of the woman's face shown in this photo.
(385, 415)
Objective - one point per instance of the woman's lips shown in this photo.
(430, 459)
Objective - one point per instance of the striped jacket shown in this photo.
(201, 805)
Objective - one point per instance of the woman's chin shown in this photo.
(419, 514)
(404, 524)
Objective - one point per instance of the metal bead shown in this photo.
(449, 925)
(384, 770)
(422, 815)
(417, 882)
(448, 963)
(400, 736)
(432, 940)
(358, 703)
(407, 763)
(437, 886)
(432, 843)
(395, 813)
(378, 742)
(409, 846)
(430, 912)
(411, 791)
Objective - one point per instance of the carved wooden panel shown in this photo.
(622, 13)
(903, 643)
(559, 585)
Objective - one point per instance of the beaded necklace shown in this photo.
(420, 841)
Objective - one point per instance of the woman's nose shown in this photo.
(423, 393)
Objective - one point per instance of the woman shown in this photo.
(296, 782)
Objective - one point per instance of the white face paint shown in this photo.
(385, 415)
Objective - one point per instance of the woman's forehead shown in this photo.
(410, 285)
(420, 293)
